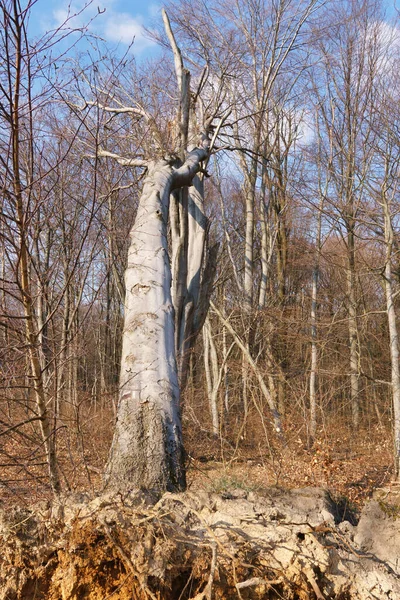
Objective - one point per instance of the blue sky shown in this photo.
(115, 21)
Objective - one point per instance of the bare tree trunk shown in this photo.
(267, 240)
(314, 355)
(393, 336)
(212, 374)
(226, 371)
(249, 240)
(353, 334)
(193, 273)
(25, 284)
(147, 449)
(314, 349)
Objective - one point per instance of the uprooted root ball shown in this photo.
(186, 546)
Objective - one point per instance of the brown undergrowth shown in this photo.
(350, 464)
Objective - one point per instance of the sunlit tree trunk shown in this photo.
(15, 42)
(147, 449)
(193, 270)
(353, 333)
(147, 446)
(314, 348)
(212, 372)
(393, 332)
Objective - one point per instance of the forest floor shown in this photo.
(352, 474)
(351, 465)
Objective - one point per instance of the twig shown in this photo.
(310, 576)
(256, 581)
(206, 594)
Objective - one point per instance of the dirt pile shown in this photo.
(295, 544)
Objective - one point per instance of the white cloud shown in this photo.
(102, 19)
(306, 128)
(60, 16)
(78, 13)
(121, 27)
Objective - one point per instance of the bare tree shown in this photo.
(165, 302)
(349, 56)
(385, 209)
(17, 186)
(49, 242)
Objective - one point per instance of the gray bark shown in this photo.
(314, 349)
(393, 335)
(193, 270)
(353, 334)
(147, 448)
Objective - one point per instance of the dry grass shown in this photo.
(350, 464)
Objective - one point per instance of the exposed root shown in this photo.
(188, 547)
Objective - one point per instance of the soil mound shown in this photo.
(296, 544)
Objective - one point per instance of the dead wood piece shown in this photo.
(311, 579)
(257, 581)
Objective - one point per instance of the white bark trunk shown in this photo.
(226, 372)
(249, 241)
(353, 341)
(189, 321)
(147, 448)
(314, 349)
(193, 270)
(393, 336)
(314, 356)
(212, 375)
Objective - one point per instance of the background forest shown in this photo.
(302, 198)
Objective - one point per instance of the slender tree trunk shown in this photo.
(281, 257)
(393, 337)
(31, 330)
(226, 370)
(314, 349)
(249, 250)
(196, 275)
(353, 334)
(314, 356)
(212, 375)
(267, 243)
